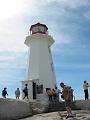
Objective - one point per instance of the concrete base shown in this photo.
(11, 109)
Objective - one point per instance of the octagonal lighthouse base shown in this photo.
(36, 91)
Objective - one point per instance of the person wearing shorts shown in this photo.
(65, 92)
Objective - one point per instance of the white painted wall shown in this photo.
(40, 60)
(30, 92)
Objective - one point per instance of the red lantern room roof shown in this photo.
(38, 28)
(38, 24)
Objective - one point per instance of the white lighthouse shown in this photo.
(40, 74)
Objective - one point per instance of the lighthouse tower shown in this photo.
(40, 76)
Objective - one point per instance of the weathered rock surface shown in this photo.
(83, 104)
(39, 106)
(11, 109)
(80, 115)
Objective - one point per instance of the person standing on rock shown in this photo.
(66, 96)
(85, 87)
(4, 93)
(25, 91)
(17, 93)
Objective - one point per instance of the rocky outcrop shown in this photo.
(11, 109)
(39, 106)
(83, 104)
(60, 106)
(61, 115)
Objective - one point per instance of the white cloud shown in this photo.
(76, 3)
(12, 12)
(87, 15)
(9, 8)
(12, 8)
(63, 39)
(7, 58)
(71, 3)
(59, 40)
(12, 35)
(74, 66)
(12, 31)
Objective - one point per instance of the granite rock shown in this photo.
(11, 109)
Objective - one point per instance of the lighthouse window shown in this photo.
(40, 29)
(35, 29)
(39, 89)
(44, 30)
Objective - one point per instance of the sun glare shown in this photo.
(8, 8)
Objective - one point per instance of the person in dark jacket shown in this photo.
(25, 91)
(4, 93)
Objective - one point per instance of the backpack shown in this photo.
(4, 92)
(24, 90)
(66, 91)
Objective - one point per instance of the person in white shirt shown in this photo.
(17, 93)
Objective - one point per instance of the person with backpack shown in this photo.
(66, 96)
(71, 93)
(4, 93)
(25, 91)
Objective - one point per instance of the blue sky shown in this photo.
(69, 24)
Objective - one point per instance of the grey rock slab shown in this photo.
(11, 109)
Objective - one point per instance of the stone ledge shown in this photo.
(11, 109)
